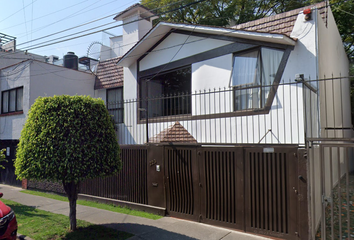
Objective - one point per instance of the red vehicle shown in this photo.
(8, 223)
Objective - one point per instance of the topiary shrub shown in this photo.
(67, 139)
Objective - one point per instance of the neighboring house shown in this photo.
(20, 85)
(239, 84)
(10, 55)
(109, 82)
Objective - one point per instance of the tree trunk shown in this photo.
(71, 190)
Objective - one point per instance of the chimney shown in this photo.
(137, 21)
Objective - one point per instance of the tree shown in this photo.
(233, 12)
(2, 157)
(68, 139)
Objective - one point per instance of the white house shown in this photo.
(257, 82)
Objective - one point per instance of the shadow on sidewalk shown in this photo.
(145, 232)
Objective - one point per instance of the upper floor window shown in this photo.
(115, 104)
(167, 93)
(12, 100)
(253, 75)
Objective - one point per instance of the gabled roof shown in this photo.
(275, 29)
(109, 74)
(174, 133)
(162, 28)
(282, 23)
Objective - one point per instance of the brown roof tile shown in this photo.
(282, 23)
(174, 133)
(109, 74)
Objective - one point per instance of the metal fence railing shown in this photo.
(287, 113)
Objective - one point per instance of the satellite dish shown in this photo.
(94, 50)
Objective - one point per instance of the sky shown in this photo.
(31, 21)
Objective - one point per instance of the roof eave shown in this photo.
(152, 37)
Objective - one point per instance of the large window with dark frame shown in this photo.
(166, 93)
(12, 100)
(115, 104)
(253, 75)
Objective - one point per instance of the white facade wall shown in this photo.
(116, 44)
(130, 32)
(333, 63)
(13, 77)
(178, 46)
(286, 117)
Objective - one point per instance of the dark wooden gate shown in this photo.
(250, 189)
(271, 191)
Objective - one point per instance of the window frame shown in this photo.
(141, 114)
(118, 108)
(238, 45)
(265, 104)
(8, 91)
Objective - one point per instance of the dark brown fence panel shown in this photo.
(270, 186)
(222, 198)
(129, 184)
(180, 172)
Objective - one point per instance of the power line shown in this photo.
(89, 28)
(49, 14)
(17, 11)
(40, 46)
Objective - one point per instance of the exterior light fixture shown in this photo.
(307, 13)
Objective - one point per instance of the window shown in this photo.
(12, 100)
(253, 75)
(115, 104)
(167, 93)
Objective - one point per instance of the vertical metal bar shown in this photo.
(265, 190)
(339, 196)
(325, 104)
(257, 186)
(233, 190)
(218, 184)
(270, 195)
(206, 160)
(291, 122)
(334, 113)
(341, 104)
(261, 188)
(225, 185)
(274, 197)
(252, 189)
(214, 186)
(331, 185)
(283, 192)
(297, 114)
(323, 224)
(284, 108)
(346, 161)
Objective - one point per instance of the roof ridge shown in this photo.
(278, 16)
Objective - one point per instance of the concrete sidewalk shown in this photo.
(143, 229)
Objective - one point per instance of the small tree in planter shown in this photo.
(68, 139)
(2, 158)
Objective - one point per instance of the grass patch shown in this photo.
(109, 207)
(39, 224)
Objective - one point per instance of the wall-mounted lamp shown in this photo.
(308, 15)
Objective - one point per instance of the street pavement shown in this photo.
(166, 228)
